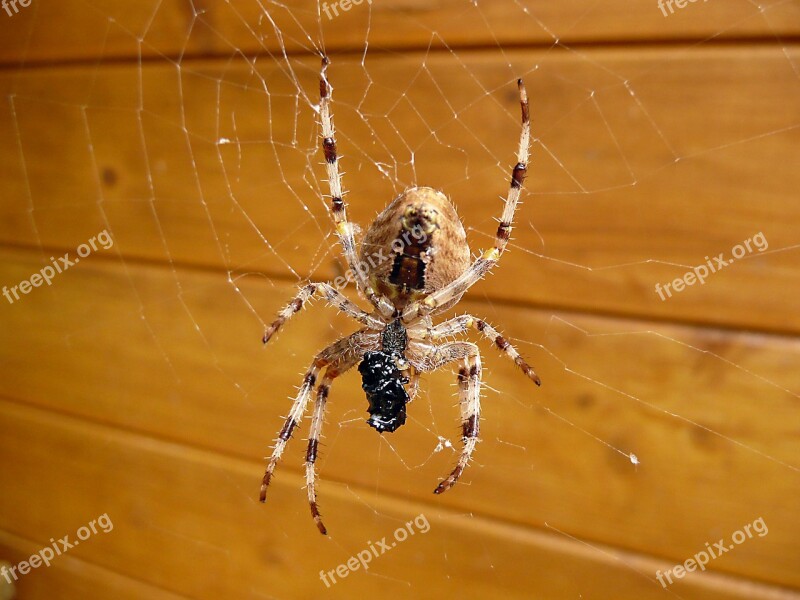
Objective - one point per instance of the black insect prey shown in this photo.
(383, 381)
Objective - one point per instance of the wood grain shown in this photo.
(136, 384)
(71, 577)
(128, 29)
(176, 355)
(610, 211)
(208, 538)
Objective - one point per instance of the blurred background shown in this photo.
(163, 194)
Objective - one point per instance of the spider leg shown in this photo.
(413, 384)
(331, 373)
(311, 452)
(292, 421)
(332, 296)
(344, 230)
(332, 354)
(469, 388)
(463, 323)
(490, 257)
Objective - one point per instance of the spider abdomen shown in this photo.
(414, 263)
(383, 383)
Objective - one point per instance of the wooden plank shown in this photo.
(168, 192)
(109, 29)
(70, 577)
(176, 354)
(185, 519)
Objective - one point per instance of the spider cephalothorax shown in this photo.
(414, 264)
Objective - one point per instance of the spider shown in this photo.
(427, 267)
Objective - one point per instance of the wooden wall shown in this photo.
(135, 386)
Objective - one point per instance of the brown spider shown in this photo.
(427, 269)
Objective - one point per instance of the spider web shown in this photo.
(238, 215)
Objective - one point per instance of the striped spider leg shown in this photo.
(429, 358)
(426, 267)
(468, 376)
(333, 361)
(350, 353)
(332, 296)
(464, 323)
(489, 258)
(344, 230)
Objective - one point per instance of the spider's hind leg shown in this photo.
(469, 390)
(340, 355)
(292, 421)
(311, 452)
(317, 418)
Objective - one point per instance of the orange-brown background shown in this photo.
(135, 385)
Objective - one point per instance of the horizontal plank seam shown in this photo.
(157, 57)
(480, 522)
(632, 316)
(16, 538)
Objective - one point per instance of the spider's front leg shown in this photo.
(469, 389)
(478, 269)
(338, 206)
